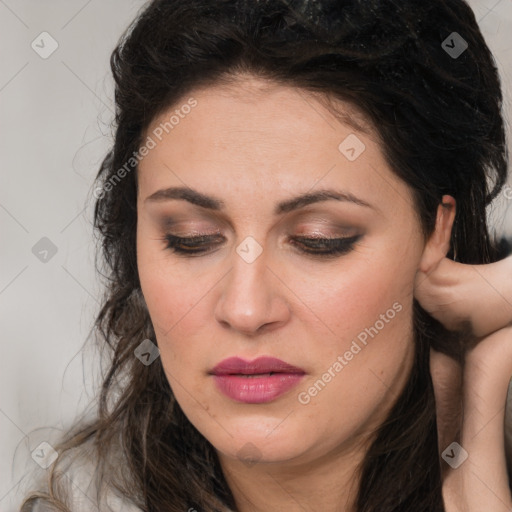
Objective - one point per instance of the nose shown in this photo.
(252, 298)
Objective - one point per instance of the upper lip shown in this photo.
(264, 364)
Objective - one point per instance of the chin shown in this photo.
(263, 441)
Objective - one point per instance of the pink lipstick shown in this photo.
(255, 382)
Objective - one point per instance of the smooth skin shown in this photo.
(253, 145)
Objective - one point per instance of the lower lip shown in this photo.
(256, 390)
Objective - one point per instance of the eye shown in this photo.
(325, 247)
(315, 246)
(190, 245)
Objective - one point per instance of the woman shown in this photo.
(289, 181)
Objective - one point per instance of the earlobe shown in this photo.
(438, 244)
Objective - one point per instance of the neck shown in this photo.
(329, 484)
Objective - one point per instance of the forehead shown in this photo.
(273, 135)
(263, 99)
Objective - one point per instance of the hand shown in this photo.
(472, 298)
(470, 403)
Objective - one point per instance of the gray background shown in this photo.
(56, 114)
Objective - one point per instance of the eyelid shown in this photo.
(338, 231)
(305, 220)
(330, 248)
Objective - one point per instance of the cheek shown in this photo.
(169, 289)
(365, 359)
(352, 297)
(173, 301)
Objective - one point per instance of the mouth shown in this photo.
(261, 366)
(253, 375)
(259, 381)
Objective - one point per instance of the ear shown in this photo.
(438, 244)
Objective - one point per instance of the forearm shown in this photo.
(486, 377)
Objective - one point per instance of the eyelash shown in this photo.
(332, 246)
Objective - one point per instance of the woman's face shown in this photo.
(233, 166)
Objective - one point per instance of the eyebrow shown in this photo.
(213, 203)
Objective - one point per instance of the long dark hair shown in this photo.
(436, 106)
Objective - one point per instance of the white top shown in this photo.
(79, 486)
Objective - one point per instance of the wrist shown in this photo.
(488, 366)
